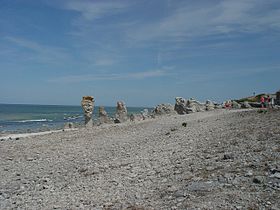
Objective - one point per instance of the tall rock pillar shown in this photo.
(88, 105)
(121, 112)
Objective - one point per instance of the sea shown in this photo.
(23, 118)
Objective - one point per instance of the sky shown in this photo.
(144, 52)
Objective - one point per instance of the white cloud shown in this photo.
(91, 77)
(191, 20)
(91, 10)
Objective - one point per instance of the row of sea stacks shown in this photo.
(121, 114)
(182, 106)
(187, 106)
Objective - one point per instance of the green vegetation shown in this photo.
(256, 98)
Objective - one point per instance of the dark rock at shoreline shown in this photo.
(162, 109)
(183, 106)
(245, 105)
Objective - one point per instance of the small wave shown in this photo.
(40, 120)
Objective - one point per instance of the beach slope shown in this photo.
(210, 160)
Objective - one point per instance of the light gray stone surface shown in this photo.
(223, 159)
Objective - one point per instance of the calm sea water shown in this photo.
(29, 118)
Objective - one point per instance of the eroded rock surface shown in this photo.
(103, 116)
(209, 105)
(121, 112)
(183, 106)
(88, 106)
(162, 109)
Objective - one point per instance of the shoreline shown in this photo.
(219, 159)
(15, 136)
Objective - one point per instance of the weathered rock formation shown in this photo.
(235, 105)
(245, 105)
(209, 105)
(121, 112)
(103, 116)
(164, 109)
(195, 106)
(145, 114)
(183, 106)
(88, 105)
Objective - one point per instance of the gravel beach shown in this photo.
(221, 159)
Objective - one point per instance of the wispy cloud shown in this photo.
(39, 52)
(92, 77)
(192, 20)
(91, 10)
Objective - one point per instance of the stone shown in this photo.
(88, 106)
(132, 117)
(249, 173)
(103, 116)
(235, 105)
(162, 109)
(145, 114)
(121, 112)
(195, 105)
(228, 156)
(245, 105)
(209, 105)
(218, 106)
(257, 180)
(275, 175)
(183, 106)
(255, 104)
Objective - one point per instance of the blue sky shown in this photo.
(144, 52)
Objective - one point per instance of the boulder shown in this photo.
(145, 114)
(88, 106)
(121, 112)
(103, 116)
(255, 104)
(218, 106)
(136, 117)
(209, 105)
(245, 105)
(162, 109)
(195, 106)
(183, 106)
(235, 105)
(132, 117)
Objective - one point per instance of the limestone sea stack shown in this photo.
(209, 105)
(103, 116)
(183, 106)
(88, 105)
(121, 112)
(163, 109)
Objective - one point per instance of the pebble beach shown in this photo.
(222, 159)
